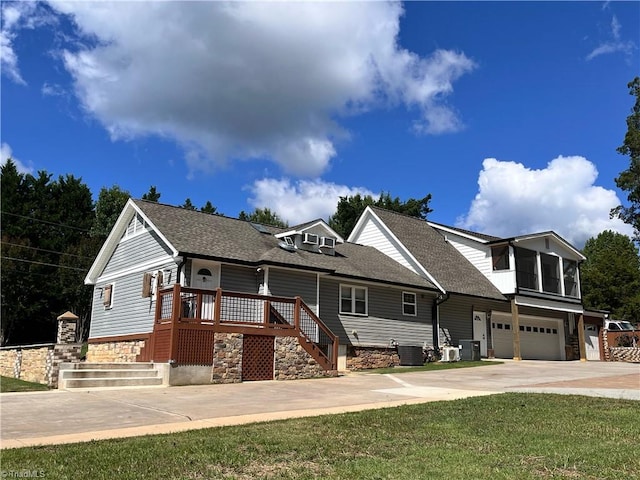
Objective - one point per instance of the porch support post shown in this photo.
(266, 313)
(581, 346)
(217, 306)
(515, 325)
(175, 316)
(296, 314)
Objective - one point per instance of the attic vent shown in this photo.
(327, 242)
(310, 238)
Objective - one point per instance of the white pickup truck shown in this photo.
(618, 325)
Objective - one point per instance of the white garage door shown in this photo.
(540, 338)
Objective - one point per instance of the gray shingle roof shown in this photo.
(448, 266)
(223, 238)
(482, 236)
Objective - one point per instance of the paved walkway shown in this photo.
(46, 418)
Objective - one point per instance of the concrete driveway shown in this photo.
(55, 417)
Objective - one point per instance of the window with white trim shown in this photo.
(409, 304)
(353, 299)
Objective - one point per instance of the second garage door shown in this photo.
(540, 338)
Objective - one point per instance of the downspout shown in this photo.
(435, 316)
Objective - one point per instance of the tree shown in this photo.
(629, 179)
(188, 205)
(152, 195)
(209, 208)
(46, 252)
(611, 275)
(350, 208)
(110, 203)
(264, 216)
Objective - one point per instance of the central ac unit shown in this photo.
(450, 354)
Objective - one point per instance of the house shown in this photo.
(215, 297)
(519, 297)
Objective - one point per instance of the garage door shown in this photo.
(540, 337)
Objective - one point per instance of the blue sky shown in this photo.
(508, 113)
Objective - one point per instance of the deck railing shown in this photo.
(187, 318)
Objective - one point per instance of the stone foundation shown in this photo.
(115, 352)
(363, 358)
(227, 358)
(293, 362)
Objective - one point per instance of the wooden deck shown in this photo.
(187, 319)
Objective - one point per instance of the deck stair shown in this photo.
(91, 375)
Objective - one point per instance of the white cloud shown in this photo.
(515, 200)
(6, 153)
(16, 16)
(302, 200)
(613, 44)
(242, 80)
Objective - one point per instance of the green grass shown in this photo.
(433, 366)
(521, 436)
(8, 384)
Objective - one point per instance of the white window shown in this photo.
(353, 299)
(107, 296)
(327, 242)
(409, 304)
(289, 241)
(310, 238)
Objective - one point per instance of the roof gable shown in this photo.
(117, 232)
(442, 261)
(312, 226)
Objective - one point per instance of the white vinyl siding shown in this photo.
(373, 235)
(478, 254)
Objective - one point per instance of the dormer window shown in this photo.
(310, 239)
(289, 241)
(327, 242)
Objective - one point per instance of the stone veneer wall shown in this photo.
(10, 362)
(624, 354)
(362, 358)
(227, 358)
(292, 361)
(115, 352)
(37, 363)
(619, 354)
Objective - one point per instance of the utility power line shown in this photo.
(44, 263)
(45, 221)
(44, 250)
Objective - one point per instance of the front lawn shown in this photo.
(9, 384)
(508, 436)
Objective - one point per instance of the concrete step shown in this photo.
(108, 366)
(93, 375)
(113, 373)
(110, 382)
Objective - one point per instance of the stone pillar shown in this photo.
(67, 323)
(66, 349)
